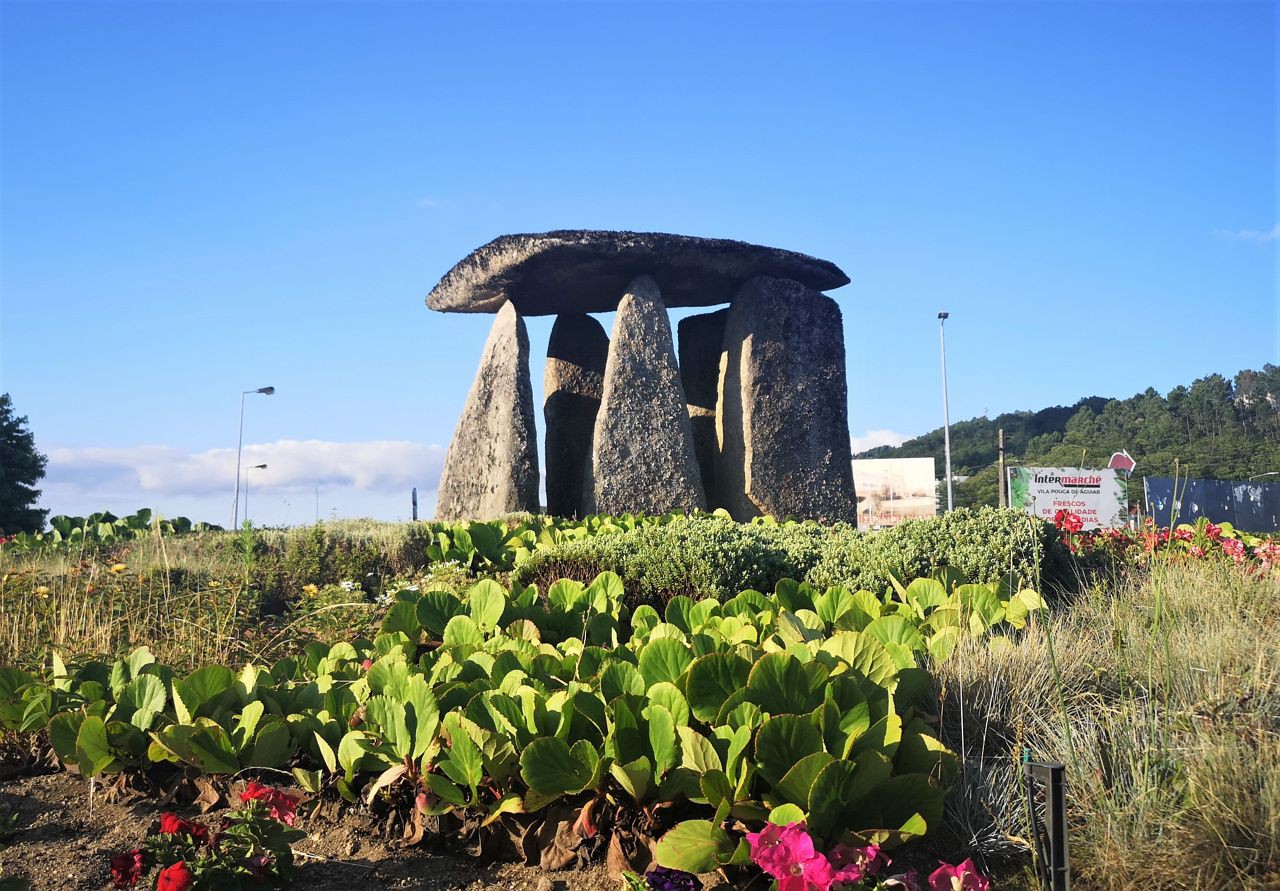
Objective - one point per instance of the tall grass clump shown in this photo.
(186, 603)
(1159, 692)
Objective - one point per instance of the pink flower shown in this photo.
(963, 877)
(1183, 535)
(1196, 551)
(775, 849)
(1233, 548)
(1214, 532)
(787, 854)
(816, 872)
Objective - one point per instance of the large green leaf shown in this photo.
(487, 601)
(204, 685)
(696, 752)
(664, 660)
(713, 679)
(465, 765)
(782, 741)
(864, 654)
(782, 685)
(796, 783)
(621, 677)
(388, 716)
(213, 749)
(435, 609)
(93, 751)
(696, 846)
(141, 700)
(402, 618)
(832, 793)
(663, 741)
(548, 766)
(462, 630)
(422, 713)
(896, 629)
(272, 746)
(668, 696)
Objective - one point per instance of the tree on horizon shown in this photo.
(21, 467)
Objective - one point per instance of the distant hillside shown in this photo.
(1216, 428)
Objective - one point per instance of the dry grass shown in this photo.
(1161, 694)
(188, 604)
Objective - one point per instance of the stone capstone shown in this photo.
(700, 340)
(642, 455)
(781, 417)
(572, 384)
(585, 270)
(491, 467)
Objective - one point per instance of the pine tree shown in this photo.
(21, 467)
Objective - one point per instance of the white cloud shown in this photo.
(1260, 235)
(429, 202)
(364, 478)
(873, 438)
(379, 465)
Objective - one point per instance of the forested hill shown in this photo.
(1215, 428)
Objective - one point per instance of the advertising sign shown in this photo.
(891, 490)
(1096, 496)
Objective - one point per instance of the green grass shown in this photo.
(1160, 694)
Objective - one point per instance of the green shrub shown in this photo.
(983, 544)
(704, 556)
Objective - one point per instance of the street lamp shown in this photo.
(946, 412)
(246, 487)
(235, 511)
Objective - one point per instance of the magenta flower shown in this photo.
(777, 849)
(962, 877)
(787, 854)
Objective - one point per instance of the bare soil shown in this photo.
(63, 840)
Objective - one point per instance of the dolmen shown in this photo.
(751, 417)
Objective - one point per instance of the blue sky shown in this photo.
(203, 198)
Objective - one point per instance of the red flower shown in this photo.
(126, 869)
(283, 807)
(172, 824)
(175, 878)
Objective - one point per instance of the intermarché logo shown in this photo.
(1070, 482)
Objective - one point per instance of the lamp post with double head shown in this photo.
(235, 510)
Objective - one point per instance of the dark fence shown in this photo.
(1252, 507)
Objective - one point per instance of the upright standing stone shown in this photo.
(572, 385)
(701, 342)
(491, 468)
(642, 456)
(781, 419)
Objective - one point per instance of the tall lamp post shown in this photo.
(946, 411)
(235, 510)
(246, 487)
